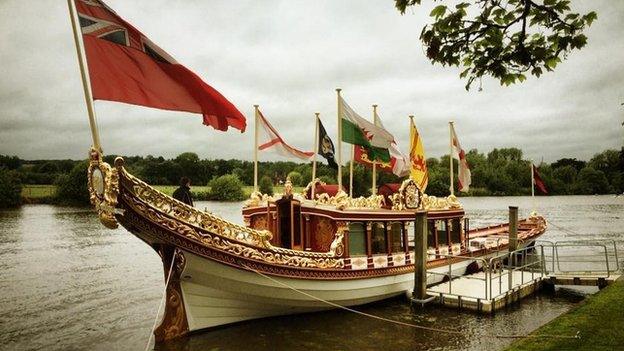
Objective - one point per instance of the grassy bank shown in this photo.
(45, 193)
(599, 320)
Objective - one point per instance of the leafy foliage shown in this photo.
(296, 178)
(72, 187)
(505, 39)
(265, 185)
(10, 189)
(226, 188)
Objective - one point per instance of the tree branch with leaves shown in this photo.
(504, 39)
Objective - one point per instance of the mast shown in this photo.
(86, 81)
(351, 170)
(532, 185)
(374, 184)
(339, 142)
(451, 131)
(316, 147)
(256, 111)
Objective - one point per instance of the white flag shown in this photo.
(458, 153)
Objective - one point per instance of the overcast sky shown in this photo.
(288, 57)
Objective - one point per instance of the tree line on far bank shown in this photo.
(499, 172)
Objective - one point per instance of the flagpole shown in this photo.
(256, 111)
(339, 142)
(532, 186)
(411, 147)
(351, 171)
(452, 187)
(86, 82)
(374, 185)
(316, 147)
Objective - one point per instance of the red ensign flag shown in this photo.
(537, 180)
(125, 66)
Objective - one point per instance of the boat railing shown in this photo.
(582, 257)
(515, 268)
(450, 273)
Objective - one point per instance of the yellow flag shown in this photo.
(418, 168)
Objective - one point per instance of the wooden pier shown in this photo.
(468, 292)
(507, 277)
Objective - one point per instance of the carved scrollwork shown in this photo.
(215, 232)
(409, 196)
(103, 185)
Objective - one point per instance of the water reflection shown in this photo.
(66, 282)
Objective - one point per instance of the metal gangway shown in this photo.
(506, 277)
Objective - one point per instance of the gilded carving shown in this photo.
(259, 222)
(323, 234)
(237, 245)
(103, 185)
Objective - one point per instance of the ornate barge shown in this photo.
(294, 253)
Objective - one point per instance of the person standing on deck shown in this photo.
(183, 193)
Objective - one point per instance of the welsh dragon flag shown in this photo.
(358, 131)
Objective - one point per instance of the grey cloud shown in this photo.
(288, 56)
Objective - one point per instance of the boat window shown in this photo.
(357, 239)
(378, 238)
(455, 231)
(441, 231)
(431, 229)
(396, 234)
(409, 226)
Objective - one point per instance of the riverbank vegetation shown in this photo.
(498, 172)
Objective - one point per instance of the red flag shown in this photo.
(125, 66)
(537, 180)
(361, 156)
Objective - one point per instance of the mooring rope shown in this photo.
(410, 325)
(164, 296)
(567, 230)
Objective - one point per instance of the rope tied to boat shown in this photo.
(410, 325)
(162, 299)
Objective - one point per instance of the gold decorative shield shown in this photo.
(103, 184)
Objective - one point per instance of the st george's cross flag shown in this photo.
(271, 140)
(358, 131)
(464, 177)
(125, 66)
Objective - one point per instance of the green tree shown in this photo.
(295, 178)
(591, 181)
(72, 187)
(226, 188)
(10, 189)
(502, 39)
(265, 185)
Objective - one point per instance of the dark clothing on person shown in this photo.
(183, 193)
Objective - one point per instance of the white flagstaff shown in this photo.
(451, 187)
(374, 184)
(316, 147)
(86, 82)
(532, 186)
(256, 148)
(351, 171)
(339, 142)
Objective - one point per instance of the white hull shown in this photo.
(216, 294)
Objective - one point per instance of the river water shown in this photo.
(67, 283)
